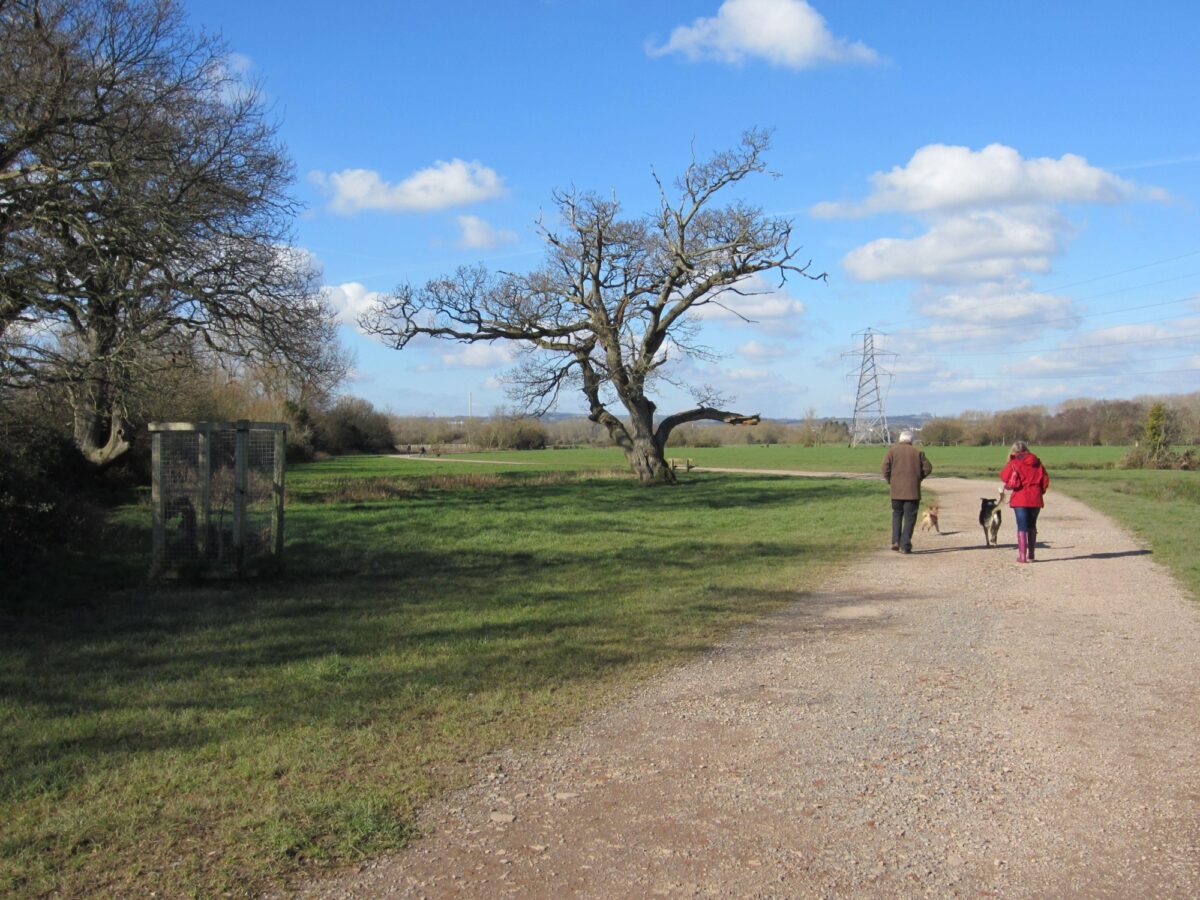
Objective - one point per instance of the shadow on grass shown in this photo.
(388, 611)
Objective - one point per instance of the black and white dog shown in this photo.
(989, 518)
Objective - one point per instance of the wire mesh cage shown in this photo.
(217, 497)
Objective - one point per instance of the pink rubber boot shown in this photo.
(1022, 545)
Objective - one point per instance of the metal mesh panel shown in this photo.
(259, 495)
(218, 496)
(180, 484)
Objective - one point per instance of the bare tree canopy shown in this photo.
(144, 206)
(614, 302)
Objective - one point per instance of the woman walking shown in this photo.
(1028, 480)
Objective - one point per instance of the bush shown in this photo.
(44, 482)
(513, 432)
(1155, 451)
(1163, 458)
(353, 425)
(942, 431)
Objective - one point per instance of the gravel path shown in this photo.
(942, 724)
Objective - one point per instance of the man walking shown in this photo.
(904, 468)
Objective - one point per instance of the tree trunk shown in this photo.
(645, 449)
(100, 436)
(641, 447)
(648, 462)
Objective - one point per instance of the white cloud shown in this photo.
(747, 374)
(755, 350)
(941, 178)
(480, 356)
(754, 308)
(440, 186)
(986, 317)
(237, 65)
(1110, 349)
(1045, 366)
(993, 305)
(476, 233)
(1124, 334)
(989, 216)
(908, 368)
(787, 33)
(759, 300)
(987, 219)
(234, 74)
(950, 385)
(982, 245)
(350, 300)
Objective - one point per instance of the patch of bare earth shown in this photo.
(948, 723)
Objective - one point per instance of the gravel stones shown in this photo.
(942, 724)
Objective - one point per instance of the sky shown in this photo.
(1006, 195)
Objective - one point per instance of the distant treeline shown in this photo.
(1083, 421)
(47, 488)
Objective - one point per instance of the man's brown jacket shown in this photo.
(905, 467)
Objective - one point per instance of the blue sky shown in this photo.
(1009, 192)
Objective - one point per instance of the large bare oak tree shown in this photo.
(144, 211)
(615, 302)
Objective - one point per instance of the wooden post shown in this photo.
(277, 489)
(204, 464)
(157, 505)
(241, 454)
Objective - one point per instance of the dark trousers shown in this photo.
(1027, 517)
(904, 520)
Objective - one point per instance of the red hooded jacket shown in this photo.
(1026, 478)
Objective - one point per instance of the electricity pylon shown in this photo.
(870, 422)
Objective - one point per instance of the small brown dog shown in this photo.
(929, 520)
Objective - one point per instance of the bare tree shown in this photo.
(614, 301)
(143, 206)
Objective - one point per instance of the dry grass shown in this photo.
(382, 488)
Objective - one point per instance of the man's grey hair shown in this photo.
(906, 436)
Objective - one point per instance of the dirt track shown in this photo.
(947, 723)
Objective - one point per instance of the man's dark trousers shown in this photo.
(904, 520)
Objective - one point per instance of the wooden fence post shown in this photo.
(157, 504)
(277, 489)
(241, 454)
(204, 487)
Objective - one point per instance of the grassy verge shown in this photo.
(1161, 508)
(220, 738)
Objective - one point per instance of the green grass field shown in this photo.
(210, 739)
(200, 740)
(962, 461)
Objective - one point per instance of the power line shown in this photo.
(1096, 278)
(1093, 374)
(1149, 265)
(1024, 323)
(1135, 287)
(1157, 360)
(1071, 349)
